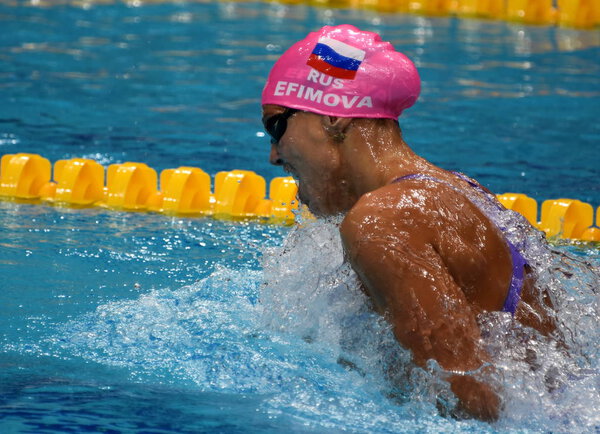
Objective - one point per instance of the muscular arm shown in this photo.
(396, 253)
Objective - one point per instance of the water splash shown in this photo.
(300, 336)
(548, 382)
(311, 292)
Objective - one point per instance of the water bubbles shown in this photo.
(8, 139)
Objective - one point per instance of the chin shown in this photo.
(320, 211)
(317, 207)
(312, 207)
(317, 212)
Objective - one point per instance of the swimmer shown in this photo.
(428, 256)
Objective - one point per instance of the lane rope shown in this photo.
(237, 194)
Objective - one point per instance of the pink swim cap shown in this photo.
(343, 71)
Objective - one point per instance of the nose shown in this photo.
(274, 158)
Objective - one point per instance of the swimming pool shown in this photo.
(140, 322)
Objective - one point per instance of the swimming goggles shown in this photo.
(276, 125)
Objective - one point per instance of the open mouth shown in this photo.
(301, 198)
(291, 171)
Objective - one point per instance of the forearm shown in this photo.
(477, 399)
(457, 351)
(467, 363)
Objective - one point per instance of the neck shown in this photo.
(375, 154)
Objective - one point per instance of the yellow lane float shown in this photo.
(568, 13)
(23, 175)
(185, 191)
(583, 14)
(238, 194)
(561, 218)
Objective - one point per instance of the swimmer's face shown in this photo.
(308, 153)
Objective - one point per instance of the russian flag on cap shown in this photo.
(336, 58)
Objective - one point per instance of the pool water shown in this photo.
(138, 322)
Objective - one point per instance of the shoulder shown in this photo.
(428, 226)
(418, 212)
(417, 203)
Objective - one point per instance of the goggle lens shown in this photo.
(276, 125)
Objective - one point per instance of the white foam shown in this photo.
(300, 334)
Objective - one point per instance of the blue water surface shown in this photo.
(139, 322)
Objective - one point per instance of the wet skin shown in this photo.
(429, 259)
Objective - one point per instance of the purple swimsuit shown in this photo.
(518, 261)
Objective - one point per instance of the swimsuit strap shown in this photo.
(469, 181)
(517, 281)
(517, 259)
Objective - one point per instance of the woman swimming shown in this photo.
(430, 258)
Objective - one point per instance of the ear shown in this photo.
(335, 125)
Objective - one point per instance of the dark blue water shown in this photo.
(143, 323)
